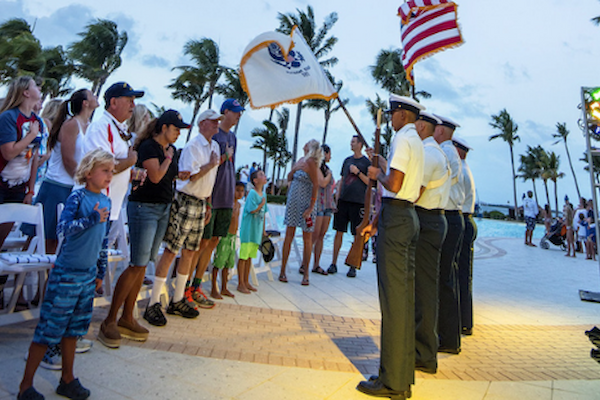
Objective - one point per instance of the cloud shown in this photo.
(154, 61)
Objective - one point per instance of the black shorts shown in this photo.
(219, 223)
(348, 213)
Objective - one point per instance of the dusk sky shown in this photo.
(528, 57)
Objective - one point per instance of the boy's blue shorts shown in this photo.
(67, 307)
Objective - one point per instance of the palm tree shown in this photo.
(205, 53)
(596, 162)
(98, 53)
(282, 156)
(316, 39)
(529, 171)
(189, 88)
(20, 51)
(508, 129)
(327, 105)
(562, 134)
(551, 172)
(266, 140)
(57, 73)
(232, 89)
(389, 72)
(387, 133)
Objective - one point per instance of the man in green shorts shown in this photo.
(222, 198)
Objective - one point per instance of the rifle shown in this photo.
(354, 258)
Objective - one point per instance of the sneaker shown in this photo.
(182, 308)
(72, 390)
(109, 335)
(52, 358)
(132, 331)
(351, 273)
(200, 298)
(154, 315)
(30, 394)
(332, 269)
(83, 345)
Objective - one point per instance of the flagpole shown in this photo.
(352, 122)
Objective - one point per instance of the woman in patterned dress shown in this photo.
(300, 209)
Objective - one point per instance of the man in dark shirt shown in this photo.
(351, 198)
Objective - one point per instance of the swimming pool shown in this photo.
(485, 228)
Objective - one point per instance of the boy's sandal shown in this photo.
(30, 394)
(319, 270)
(283, 278)
(72, 390)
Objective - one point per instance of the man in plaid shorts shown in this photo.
(197, 173)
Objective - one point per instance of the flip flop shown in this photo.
(283, 279)
(305, 282)
(319, 270)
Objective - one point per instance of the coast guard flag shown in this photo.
(277, 69)
(427, 27)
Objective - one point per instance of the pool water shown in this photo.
(485, 228)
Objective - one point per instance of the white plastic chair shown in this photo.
(34, 259)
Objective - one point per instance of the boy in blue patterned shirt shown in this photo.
(66, 311)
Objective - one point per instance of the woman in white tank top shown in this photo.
(66, 143)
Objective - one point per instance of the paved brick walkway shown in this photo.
(325, 342)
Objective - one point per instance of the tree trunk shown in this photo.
(296, 132)
(237, 126)
(555, 196)
(573, 172)
(273, 180)
(547, 194)
(194, 115)
(327, 116)
(271, 114)
(535, 192)
(264, 158)
(514, 178)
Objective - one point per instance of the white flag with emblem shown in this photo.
(277, 69)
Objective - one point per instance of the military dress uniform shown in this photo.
(465, 259)
(398, 231)
(433, 226)
(449, 325)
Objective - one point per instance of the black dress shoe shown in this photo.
(467, 331)
(448, 350)
(378, 389)
(594, 332)
(425, 368)
(595, 354)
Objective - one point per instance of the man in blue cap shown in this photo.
(398, 226)
(220, 206)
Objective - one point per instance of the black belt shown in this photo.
(453, 212)
(467, 214)
(435, 211)
(397, 202)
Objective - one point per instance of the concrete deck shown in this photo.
(292, 342)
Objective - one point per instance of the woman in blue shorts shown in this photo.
(325, 207)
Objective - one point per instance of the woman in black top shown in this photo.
(148, 213)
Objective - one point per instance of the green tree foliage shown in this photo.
(98, 53)
(20, 51)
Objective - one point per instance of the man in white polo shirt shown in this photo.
(197, 173)
(435, 190)
(449, 325)
(398, 226)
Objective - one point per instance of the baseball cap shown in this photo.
(171, 117)
(121, 89)
(209, 114)
(231, 104)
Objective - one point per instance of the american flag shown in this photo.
(429, 28)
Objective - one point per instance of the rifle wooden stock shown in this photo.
(354, 257)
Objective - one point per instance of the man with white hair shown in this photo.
(398, 226)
